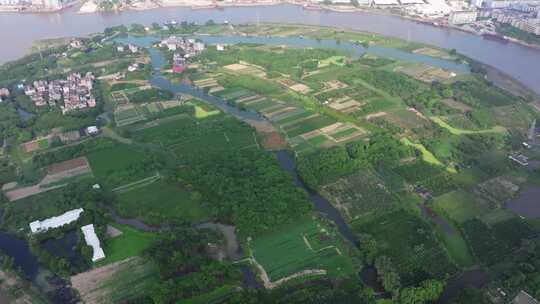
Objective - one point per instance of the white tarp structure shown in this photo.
(385, 2)
(405, 2)
(92, 240)
(57, 221)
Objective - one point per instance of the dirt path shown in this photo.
(271, 285)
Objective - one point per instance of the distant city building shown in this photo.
(10, 2)
(495, 4)
(477, 3)
(531, 26)
(462, 17)
(385, 2)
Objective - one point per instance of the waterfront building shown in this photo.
(462, 17)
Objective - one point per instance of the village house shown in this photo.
(75, 92)
(188, 47)
(133, 48)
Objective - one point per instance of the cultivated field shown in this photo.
(57, 175)
(305, 245)
(359, 194)
(117, 282)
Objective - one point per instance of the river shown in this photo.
(520, 62)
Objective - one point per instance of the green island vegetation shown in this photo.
(291, 175)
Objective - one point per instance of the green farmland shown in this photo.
(130, 243)
(159, 202)
(307, 244)
(120, 165)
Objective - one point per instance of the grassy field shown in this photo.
(158, 202)
(336, 60)
(203, 110)
(427, 156)
(309, 125)
(131, 243)
(116, 166)
(285, 251)
(459, 206)
(455, 131)
(457, 248)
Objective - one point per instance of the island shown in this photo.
(242, 163)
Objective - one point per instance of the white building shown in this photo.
(92, 130)
(92, 240)
(462, 17)
(477, 3)
(494, 4)
(385, 2)
(10, 2)
(57, 221)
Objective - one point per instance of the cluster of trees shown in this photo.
(394, 84)
(247, 188)
(480, 93)
(428, 291)
(388, 274)
(77, 195)
(324, 166)
(492, 245)
(347, 291)
(149, 95)
(185, 269)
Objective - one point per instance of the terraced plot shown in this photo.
(308, 125)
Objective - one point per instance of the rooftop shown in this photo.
(92, 240)
(57, 221)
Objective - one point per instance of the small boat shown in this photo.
(495, 37)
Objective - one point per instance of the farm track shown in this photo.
(137, 184)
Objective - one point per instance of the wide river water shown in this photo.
(523, 63)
